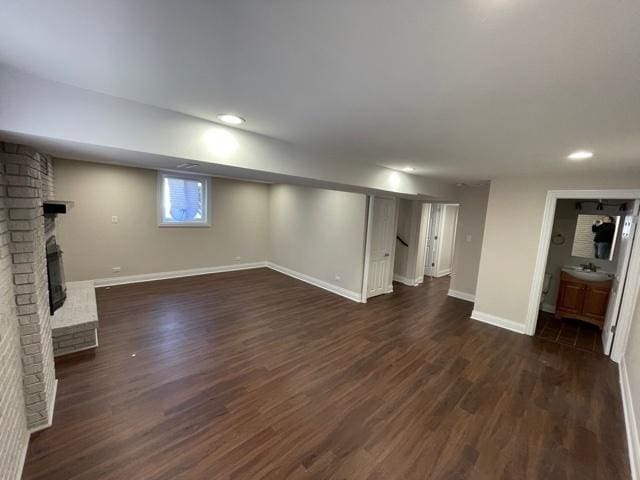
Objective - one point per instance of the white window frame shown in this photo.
(206, 188)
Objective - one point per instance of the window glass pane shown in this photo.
(182, 200)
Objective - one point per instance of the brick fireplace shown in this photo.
(26, 357)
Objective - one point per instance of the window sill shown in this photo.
(183, 225)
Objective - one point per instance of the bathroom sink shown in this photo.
(588, 275)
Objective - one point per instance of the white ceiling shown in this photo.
(464, 90)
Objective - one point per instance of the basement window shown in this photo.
(183, 200)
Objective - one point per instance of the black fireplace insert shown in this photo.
(55, 273)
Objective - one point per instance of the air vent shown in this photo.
(187, 166)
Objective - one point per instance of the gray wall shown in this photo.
(320, 233)
(466, 258)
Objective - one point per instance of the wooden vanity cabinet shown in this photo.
(583, 300)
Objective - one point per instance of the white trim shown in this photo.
(545, 237)
(419, 280)
(628, 304)
(392, 260)
(633, 440)
(150, 277)
(206, 201)
(442, 273)
(405, 280)
(367, 250)
(469, 297)
(498, 321)
(351, 295)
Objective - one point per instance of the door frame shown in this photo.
(367, 249)
(632, 286)
(435, 217)
(441, 226)
(367, 246)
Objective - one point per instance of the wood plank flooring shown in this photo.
(255, 375)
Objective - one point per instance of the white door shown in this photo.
(382, 243)
(446, 240)
(617, 290)
(432, 241)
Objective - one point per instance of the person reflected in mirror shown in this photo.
(604, 229)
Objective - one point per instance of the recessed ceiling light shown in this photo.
(580, 155)
(230, 119)
(408, 169)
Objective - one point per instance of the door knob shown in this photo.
(386, 254)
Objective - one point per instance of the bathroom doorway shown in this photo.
(585, 273)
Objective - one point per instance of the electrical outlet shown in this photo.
(338, 278)
(114, 219)
(468, 238)
(116, 269)
(238, 258)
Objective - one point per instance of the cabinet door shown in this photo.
(571, 297)
(595, 302)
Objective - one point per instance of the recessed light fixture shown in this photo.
(580, 155)
(408, 169)
(230, 119)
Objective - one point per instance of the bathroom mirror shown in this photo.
(595, 236)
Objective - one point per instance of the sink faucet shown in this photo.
(589, 266)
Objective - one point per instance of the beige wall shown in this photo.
(512, 233)
(93, 245)
(319, 233)
(468, 245)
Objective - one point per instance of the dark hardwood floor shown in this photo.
(573, 333)
(251, 375)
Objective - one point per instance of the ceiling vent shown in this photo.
(187, 166)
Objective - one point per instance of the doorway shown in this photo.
(440, 239)
(380, 248)
(584, 292)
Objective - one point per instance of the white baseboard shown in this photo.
(39, 428)
(412, 282)
(633, 440)
(351, 295)
(469, 297)
(150, 277)
(419, 280)
(443, 273)
(498, 321)
(546, 307)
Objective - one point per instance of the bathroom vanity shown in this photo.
(584, 295)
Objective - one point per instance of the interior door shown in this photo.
(382, 243)
(617, 289)
(432, 241)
